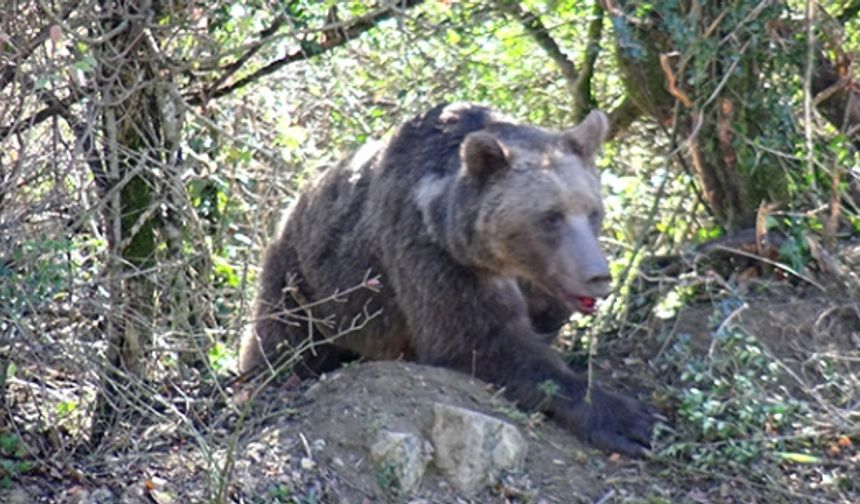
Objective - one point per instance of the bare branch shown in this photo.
(264, 37)
(350, 30)
(340, 37)
(55, 108)
(8, 71)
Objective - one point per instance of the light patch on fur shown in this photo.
(453, 110)
(429, 188)
(364, 154)
(285, 215)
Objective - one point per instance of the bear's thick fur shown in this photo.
(483, 236)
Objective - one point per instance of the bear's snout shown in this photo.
(584, 269)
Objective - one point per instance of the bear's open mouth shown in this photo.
(582, 304)
(586, 304)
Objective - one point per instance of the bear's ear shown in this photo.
(483, 155)
(587, 136)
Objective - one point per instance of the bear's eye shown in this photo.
(594, 216)
(552, 220)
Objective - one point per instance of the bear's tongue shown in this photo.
(586, 304)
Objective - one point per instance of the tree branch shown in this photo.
(308, 50)
(540, 34)
(58, 107)
(51, 110)
(583, 98)
(349, 30)
(622, 116)
(849, 12)
(263, 37)
(837, 96)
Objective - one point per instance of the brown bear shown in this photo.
(482, 234)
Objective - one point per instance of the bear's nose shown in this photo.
(599, 284)
(599, 278)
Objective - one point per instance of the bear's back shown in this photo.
(343, 215)
(430, 143)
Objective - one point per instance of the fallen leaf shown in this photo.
(800, 458)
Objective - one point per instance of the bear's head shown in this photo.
(539, 209)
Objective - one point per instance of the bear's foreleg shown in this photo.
(458, 321)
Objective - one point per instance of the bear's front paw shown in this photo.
(613, 423)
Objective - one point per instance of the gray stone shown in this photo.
(473, 449)
(402, 459)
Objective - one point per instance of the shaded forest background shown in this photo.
(148, 147)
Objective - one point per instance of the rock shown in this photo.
(473, 449)
(307, 464)
(401, 459)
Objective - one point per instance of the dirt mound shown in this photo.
(295, 443)
(323, 449)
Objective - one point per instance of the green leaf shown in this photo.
(65, 408)
(87, 64)
(8, 443)
(220, 356)
(225, 270)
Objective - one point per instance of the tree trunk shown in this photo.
(133, 150)
(710, 60)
